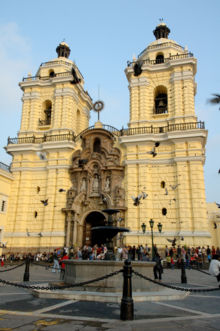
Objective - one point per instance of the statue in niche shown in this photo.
(107, 184)
(83, 185)
(95, 184)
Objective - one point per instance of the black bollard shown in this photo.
(127, 305)
(183, 273)
(26, 272)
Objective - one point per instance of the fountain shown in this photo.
(108, 232)
(83, 270)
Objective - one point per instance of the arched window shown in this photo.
(97, 145)
(160, 58)
(164, 211)
(52, 73)
(47, 111)
(163, 184)
(160, 100)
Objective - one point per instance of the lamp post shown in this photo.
(143, 226)
(152, 237)
(159, 225)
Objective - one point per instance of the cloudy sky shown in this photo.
(102, 36)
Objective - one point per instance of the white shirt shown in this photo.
(214, 268)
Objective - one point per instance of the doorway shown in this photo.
(93, 219)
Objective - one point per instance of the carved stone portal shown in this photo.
(96, 176)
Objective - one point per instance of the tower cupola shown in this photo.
(63, 50)
(161, 31)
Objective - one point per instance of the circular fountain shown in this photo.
(107, 232)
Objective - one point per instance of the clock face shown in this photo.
(98, 105)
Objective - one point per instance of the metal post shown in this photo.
(183, 272)
(26, 273)
(152, 239)
(127, 305)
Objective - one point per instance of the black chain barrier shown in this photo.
(33, 287)
(176, 287)
(200, 270)
(17, 266)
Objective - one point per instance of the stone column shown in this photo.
(68, 219)
(74, 231)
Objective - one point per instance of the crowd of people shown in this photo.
(170, 257)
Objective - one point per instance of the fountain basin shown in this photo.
(77, 271)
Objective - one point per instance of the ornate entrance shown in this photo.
(97, 176)
(93, 219)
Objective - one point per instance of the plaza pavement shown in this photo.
(21, 311)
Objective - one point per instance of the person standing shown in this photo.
(56, 265)
(158, 268)
(214, 268)
(63, 266)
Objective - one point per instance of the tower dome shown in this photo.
(63, 50)
(161, 31)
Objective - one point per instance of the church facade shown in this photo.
(65, 172)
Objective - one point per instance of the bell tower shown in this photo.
(55, 110)
(165, 144)
(162, 83)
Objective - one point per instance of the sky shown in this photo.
(103, 35)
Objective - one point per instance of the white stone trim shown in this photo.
(39, 133)
(46, 146)
(186, 134)
(184, 75)
(166, 161)
(34, 234)
(164, 119)
(142, 81)
(169, 234)
(30, 96)
(66, 92)
(6, 174)
(33, 169)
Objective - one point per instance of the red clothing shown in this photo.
(65, 257)
(2, 263)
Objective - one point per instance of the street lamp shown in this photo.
(159, 225)
(152, 237)
(143, 226)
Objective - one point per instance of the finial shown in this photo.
(98, 106)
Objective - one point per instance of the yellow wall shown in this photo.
(6, 180)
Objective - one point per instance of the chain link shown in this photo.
(17, 266)
(176, 287)
(33, 287)
(200, 270)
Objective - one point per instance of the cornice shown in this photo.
(147, 67)
(46, 146)
(6, 174)
(61, 92)
(34, 234)
(193, 116)
(174, 135)
(36, 169)
(176, 76)
(136, 82)
(30, 96)
(171, 160)
(169, 233)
